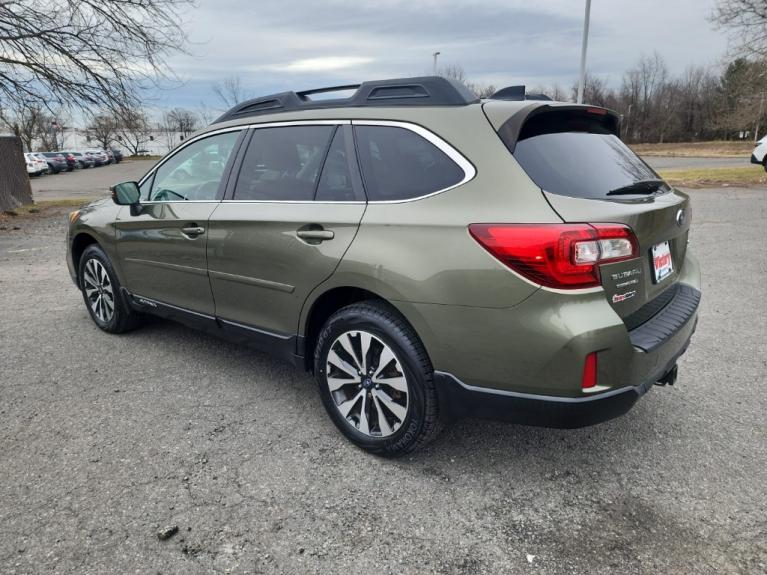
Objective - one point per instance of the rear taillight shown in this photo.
(564, 256)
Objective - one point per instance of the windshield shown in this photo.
(582, 164)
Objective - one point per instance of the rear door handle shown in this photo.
(193, 231)
(320, 235)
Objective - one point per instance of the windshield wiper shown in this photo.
(646, 187)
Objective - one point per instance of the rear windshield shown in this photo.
(581, 164)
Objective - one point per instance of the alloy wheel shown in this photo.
(98, 290)
(367, 383)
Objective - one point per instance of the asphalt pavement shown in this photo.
(106, 440)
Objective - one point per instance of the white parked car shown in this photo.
(36, 165)
(760, 152)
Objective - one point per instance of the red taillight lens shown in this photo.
(564, 256)
(590, 371)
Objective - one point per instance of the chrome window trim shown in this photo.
(469, 171)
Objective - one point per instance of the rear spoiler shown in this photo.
(538, 119)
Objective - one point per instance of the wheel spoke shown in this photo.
(365, 339)
(398, 383)
(88, 276)
(336, 383)
(383, 423)
(398, 411)
(384, 360)
(346, 343)
(335, 359)
(364, 424)
(346, 406)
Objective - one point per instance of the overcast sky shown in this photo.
(300, 44)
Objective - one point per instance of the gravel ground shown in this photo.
(105, 440)
(88, 183)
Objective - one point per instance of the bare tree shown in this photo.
(85, 52)
(177, 125)
(103, 129)
(456, 72)
(230, 91)
(133, 130)
(24, 122)
(746, 24)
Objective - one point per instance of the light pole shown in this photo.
(584, 45)
(435, 54)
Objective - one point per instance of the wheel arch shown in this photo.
(80, 242)
(326, 303)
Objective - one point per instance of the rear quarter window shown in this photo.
(398, 164)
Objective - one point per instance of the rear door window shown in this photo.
(336, 182)
(579, 160)
(398, 164)
(283, 163)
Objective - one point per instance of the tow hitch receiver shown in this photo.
(669, 378)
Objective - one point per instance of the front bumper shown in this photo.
(754, 160)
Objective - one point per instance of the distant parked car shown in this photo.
(56, 162)
(759, 155)
(33, 165)
(83, 160)
(72, 163)
(39, 166)
(97, 158)
(110, 154)
(101, 157)
(118, 155)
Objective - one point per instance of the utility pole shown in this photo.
(759, 118)
(435, 54)
(582, 80)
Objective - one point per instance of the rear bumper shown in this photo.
(461, 400)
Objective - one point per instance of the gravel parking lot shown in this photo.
(106, 439)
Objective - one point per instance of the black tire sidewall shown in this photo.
(364, 318)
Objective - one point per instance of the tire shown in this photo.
(764, 163)
(94, 271)
(388, 428)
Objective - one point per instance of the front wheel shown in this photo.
(103, 297)
(375, 379)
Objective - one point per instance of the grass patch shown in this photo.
(41, 207)
(716, 177)
(714, 149)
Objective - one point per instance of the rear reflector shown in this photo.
(564, 256)
(590, 371)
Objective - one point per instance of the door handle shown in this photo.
(192, 231)
(319, 235)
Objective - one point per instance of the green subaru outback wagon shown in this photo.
(427, 255)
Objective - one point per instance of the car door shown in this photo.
(284, 226)
(162, 248)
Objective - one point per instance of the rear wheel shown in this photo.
(103, 297)
(375, 379)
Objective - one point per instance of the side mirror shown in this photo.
(126, 194)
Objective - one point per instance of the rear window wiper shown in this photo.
(641, 187)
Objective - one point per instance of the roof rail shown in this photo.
(517, 93)
(421, 91)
